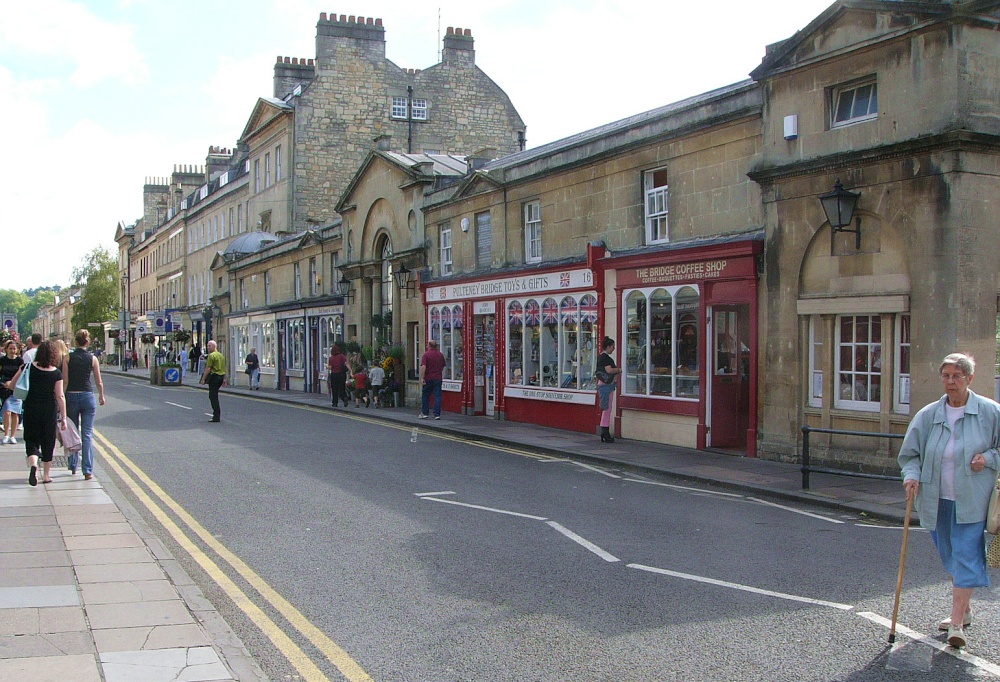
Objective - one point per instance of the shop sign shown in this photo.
(453, 386)
(327, 310)
(693, 271)
(576, 397)
(484, 307)
(512, 286)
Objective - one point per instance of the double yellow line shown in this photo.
(353, 672)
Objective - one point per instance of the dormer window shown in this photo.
(855, 102)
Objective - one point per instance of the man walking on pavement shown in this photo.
(431, 373)
(215, 377)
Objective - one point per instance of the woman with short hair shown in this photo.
(81, 405)
(949, 460)
(43, 405)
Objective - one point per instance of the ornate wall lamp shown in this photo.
(405, 280)
(839, 206)
(344, 288)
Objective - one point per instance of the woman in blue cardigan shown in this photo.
(949, 460)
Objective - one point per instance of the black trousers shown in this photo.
(214, 384)
(338, 382)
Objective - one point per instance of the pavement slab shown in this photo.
(39, 596)
(120, 593)
(128, 615)
(145, 638)
(78, 668)
(164, 665)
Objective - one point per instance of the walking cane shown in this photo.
(902, 566)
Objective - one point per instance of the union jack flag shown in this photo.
(515, 314)
(568, 310)
(564, 279)
(444, 293)
(435, 315)
(446, 318)
(531, 313)
(588, 308)
(550, 311)
(457, 316)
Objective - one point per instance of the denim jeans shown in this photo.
(81, 407)
(431, 387)
(255, 378)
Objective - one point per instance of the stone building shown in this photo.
(695, 236)
(352, 94)
(191, 254)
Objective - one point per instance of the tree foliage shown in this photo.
(98, 277)
(38, 299)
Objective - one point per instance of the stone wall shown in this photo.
(348, 104)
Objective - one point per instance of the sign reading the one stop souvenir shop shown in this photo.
(512, 286)
(694, 271)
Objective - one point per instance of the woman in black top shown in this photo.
(607, 368)
(10, 363)
(81, 404)
(44, 403)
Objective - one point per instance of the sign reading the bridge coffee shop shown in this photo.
(690, 271)
(512, 286)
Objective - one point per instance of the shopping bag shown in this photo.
(69, 437)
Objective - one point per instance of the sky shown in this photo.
(101, 94)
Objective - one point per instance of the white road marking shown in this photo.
(683, 487)
(489, 509)
(981, 663)
(587, 544)
(183, 407)
(554, 459)
(441, 492)
(595, 469)
(744, 588)
(872, 525)
(795, 511)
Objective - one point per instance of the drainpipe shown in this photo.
(409, 119)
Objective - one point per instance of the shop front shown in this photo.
(521, 347)
(687, 331)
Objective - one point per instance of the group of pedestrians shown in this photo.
(350, 378)
(60, 388)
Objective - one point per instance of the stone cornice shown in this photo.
(957, 140)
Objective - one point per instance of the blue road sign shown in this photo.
(172, 375)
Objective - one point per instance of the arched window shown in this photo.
(661, 351)
(386, 283)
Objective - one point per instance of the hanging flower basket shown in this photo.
(181, 336)
(148, 338)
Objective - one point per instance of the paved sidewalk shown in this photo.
(877, 498)
(84, 598)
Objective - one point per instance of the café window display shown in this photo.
(445, 323)
(552, 343)
(662, 328)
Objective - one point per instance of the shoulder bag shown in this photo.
(993, 515)
(22, 386)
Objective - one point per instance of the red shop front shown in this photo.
(687, 329)
(520, 347)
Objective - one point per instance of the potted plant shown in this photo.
(148, 338)
(169, 374)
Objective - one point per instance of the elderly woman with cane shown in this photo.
(949, 460)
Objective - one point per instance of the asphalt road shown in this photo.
(443, 560)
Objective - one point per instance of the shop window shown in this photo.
(859, 362)
(515, 343)
(854, 103)
(445, 324)
(657, 195)
(552, 343)
(295, 351)
(901, 401)
(661, 350)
